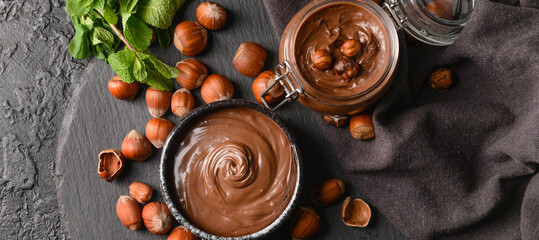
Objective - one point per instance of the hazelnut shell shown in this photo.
(304, 223)
(181, 233)
(183, 102)
(192, 73)
(136, 146)
(129, 213)
(327, 192)
(157, 218)
(157, 131)
(157, 101)
(355, 213)
(111, 164)
(262, 82)
(190, 38)
(122, 90)
(249, 59)
(216, 88)
(211, 15)
(361, 127)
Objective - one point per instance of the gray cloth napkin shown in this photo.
(460, 164)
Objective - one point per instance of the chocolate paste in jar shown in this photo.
(235, 172)
(327, 29)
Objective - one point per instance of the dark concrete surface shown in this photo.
(56, 115)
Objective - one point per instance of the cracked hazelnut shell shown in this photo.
(111, 164)
(355, 213)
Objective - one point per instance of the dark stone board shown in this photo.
(94, 121)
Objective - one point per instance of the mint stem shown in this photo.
(117, 31)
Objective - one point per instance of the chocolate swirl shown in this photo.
(234, 173)
(229, 164)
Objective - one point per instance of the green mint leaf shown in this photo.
(99, 4)
(101, 35)
(165, 70)
(158, 13)
(79, 46)
(77, 8)
(156, 80)
(139, 70)
(102, 51)
(128, 6)
(87, 21)
(122, 63)
(109, 14)
(137, 33)
(163, 37)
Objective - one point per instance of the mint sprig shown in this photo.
(96, 31)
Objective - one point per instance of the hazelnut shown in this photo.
(192, 73)
(211, 15)
(181, 233)
(346, 68)
(157, 218)
(355, 213)
(249, 59)
(140, 192)
(136, 146)
(440, 79)
(111, 164)
(262, 82)
(350, 48)
(361, 127)
(327, 192)
(322, 59)
(441, 8)
(157, 131)
(335, 120)
(183, 102)
(157, 101)
(122, 90)
(304, 223)
(216, 88)
(129, 213)
(190, 38)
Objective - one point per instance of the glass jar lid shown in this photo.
(435, 22)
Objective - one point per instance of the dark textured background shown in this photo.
(56, 115)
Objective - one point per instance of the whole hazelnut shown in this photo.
(327, 192)
(136, 146)
(157, 131)
(249, 59)
(355, 213)
(361, 127)
(183, 102)
(441, 8)
(322, 59)
(350, 47)
(111, 164)
(346, 68)
(190, 38)
(181, 233)
(216, 88)
(140, 192)
(129, 213)
(192, 73)
(441, 79)
(211, 15)
(122, 90)
(157, 218)
(262, 82)
(304, 223)
(157, 101)
(335, 120)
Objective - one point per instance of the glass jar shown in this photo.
(436, 22)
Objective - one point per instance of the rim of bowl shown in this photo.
(169, 151)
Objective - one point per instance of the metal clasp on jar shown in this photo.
(282, 72)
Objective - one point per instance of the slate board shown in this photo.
(95, 121)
